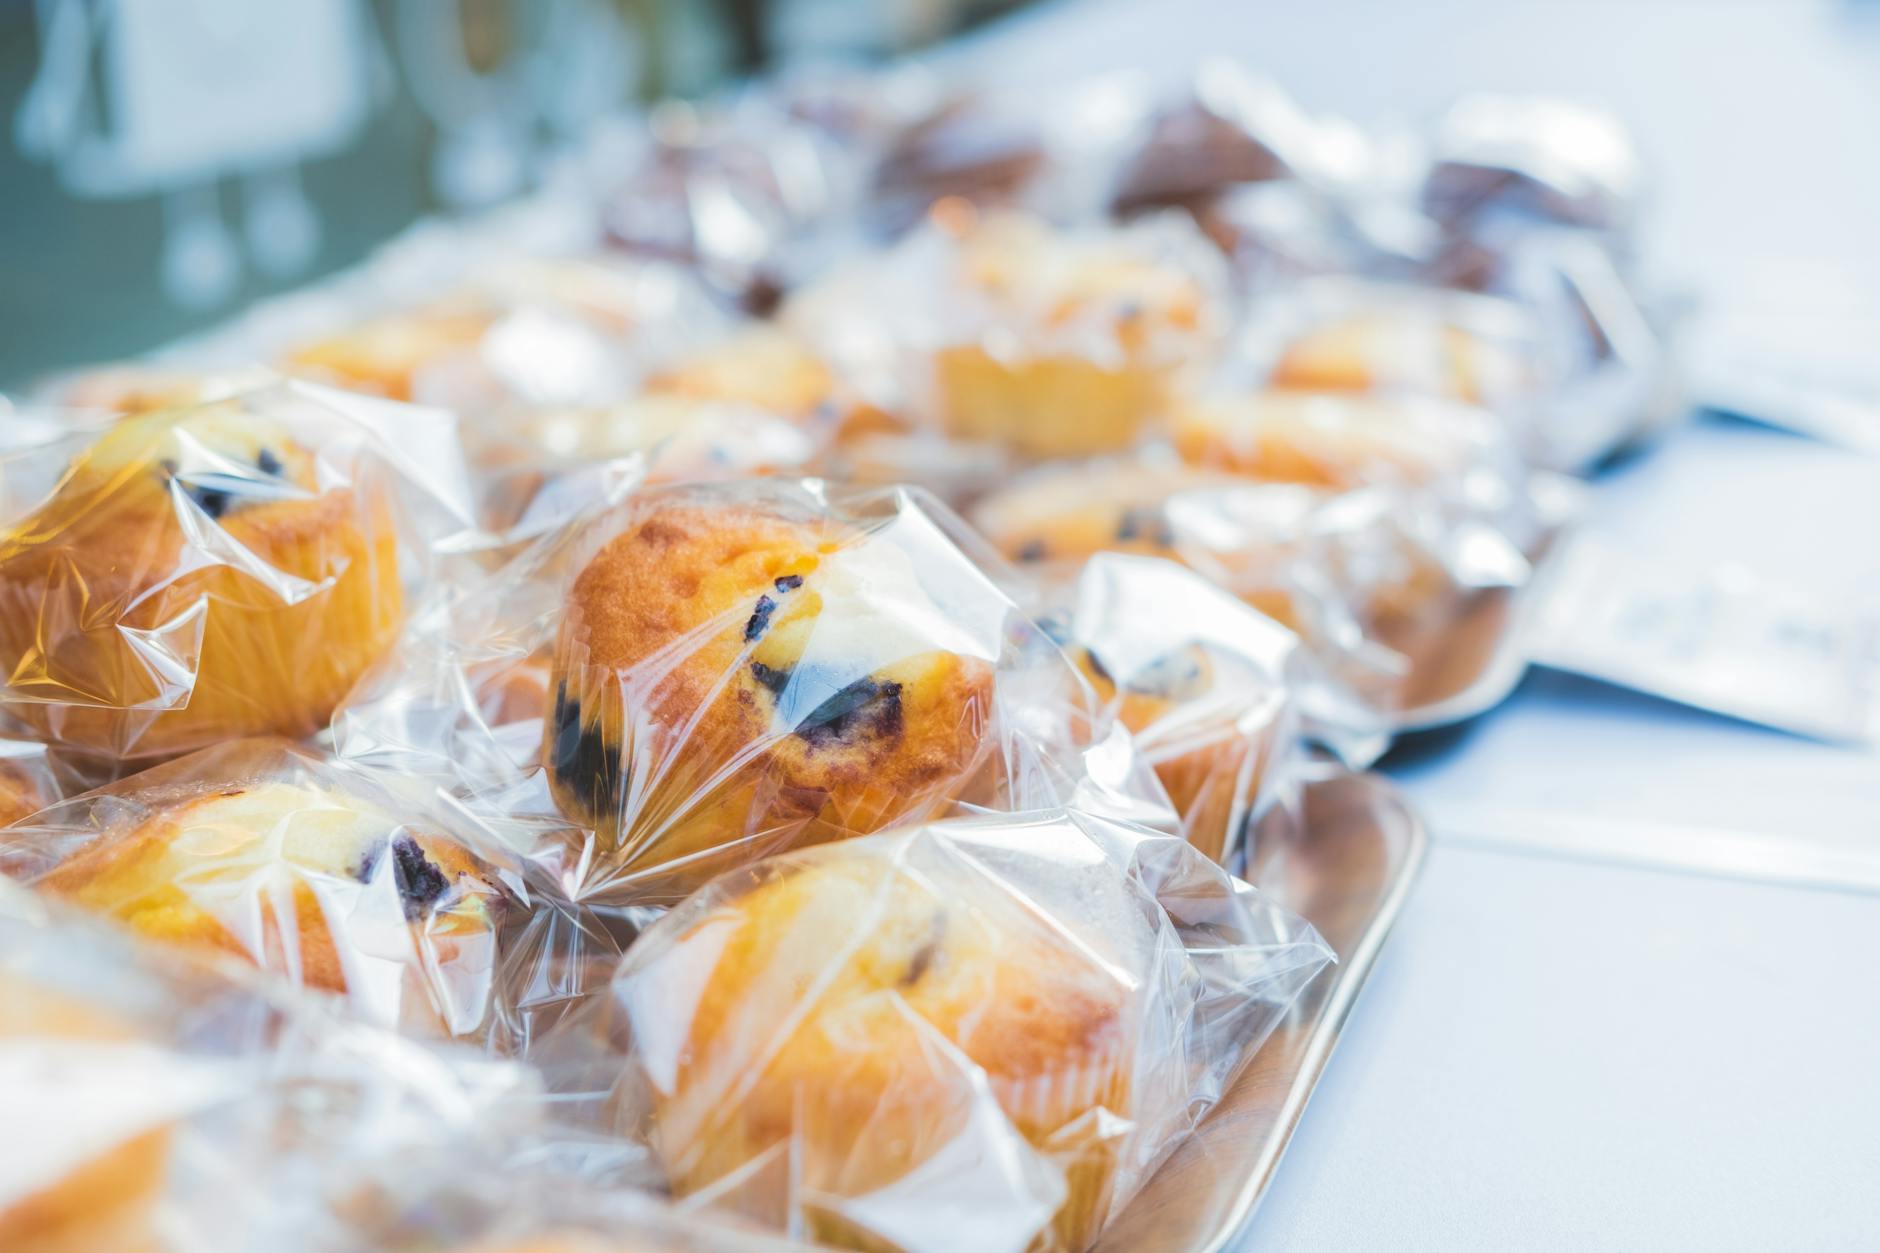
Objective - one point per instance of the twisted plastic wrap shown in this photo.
(979, 1033)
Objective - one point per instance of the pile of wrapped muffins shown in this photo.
(778, 716)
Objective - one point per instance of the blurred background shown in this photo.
(165, 162)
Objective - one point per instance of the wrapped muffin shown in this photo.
(539, 332)
(1336, 334)
(1339, 441)
(85, 1196)
(206, 573)
(1004, 330)
(1226, 129)
(1205, 685)
(702, 674)
(1071, 343)
(682, 438)
(1032, 1008)
(1358, 574)
(266, 853)
(745, 669)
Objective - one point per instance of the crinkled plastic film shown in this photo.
(700, 675)
(1351, 572)
(265, 852)
(1011, 332)
(1210, 690)
(193, 575)
(980, 1033)
(819, 860)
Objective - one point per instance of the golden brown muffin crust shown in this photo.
(696, 620)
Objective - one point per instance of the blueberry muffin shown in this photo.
(1070, 345)
(733, 676)
(103, 1201)
(196, 575)
(1336, 440)
(299, 879)
(1203, 684)
(843, 1007)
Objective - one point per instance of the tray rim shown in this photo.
(1353, 973)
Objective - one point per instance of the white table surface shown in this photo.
(1610, 1018)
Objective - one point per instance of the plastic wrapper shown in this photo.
(1358, 574)
(1226, 129)
(193, 575)
(1536, 200)
(980, 1033)
(1217, 697)
(1011, 333)
(1346, 335)
(703, 674)
(740, 191)
(174, 1105)
(1503, 164)
(267, 852)
(1565, 356)
(757, 400)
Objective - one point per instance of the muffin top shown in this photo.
(1400, 348)
(159, 501)
(1063, 513)
(227, 461)
(707, 584)
(1335, 440)
(811, 640)
(223, 844)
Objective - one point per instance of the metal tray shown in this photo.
(1348, 874)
